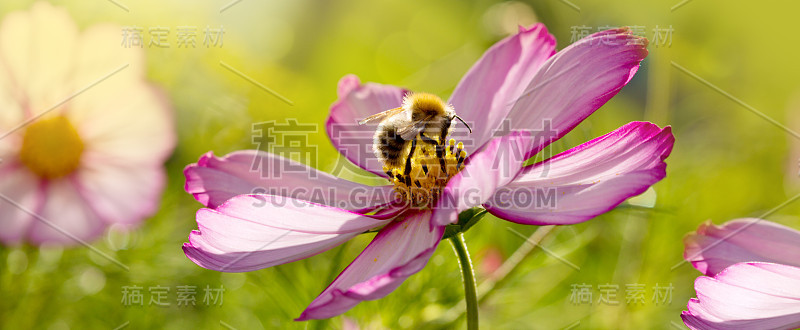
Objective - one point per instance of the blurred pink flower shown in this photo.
(747, 295)
(520, 81)
(491, 259)
(713, 248)
(756, 279)
(92, 152)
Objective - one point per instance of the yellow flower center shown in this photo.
(51, 147)
(421, 187)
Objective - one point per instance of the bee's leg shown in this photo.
(407, 170)
(428, 140)
(440, 155)
(439, 149)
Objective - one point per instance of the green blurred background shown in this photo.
(727, 161)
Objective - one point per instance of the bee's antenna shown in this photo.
(465, 123)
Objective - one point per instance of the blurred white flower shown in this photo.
(83, 137)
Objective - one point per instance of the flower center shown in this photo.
(51, 147)
(429, 172)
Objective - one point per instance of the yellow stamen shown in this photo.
(51, 147)
(422, 187)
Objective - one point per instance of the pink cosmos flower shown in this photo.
(80, 152)
(754, 269)
(521, 81)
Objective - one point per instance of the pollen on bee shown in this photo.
(422, 187)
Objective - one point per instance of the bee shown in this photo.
(423, 118)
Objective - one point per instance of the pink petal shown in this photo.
(400, 250)
(251, 232)
(37, 52)
(747, 296)
(493, 166)
(124, 119)
(12, 115)
(24, 189)
(139, 130)
(358, 101)
(490, 88)
(213, 180)
(9, 145)
(587, 180)
(65, 218)
(713, 248)
(119, 193)
(98, 53)
(578, 80)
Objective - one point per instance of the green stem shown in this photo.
(470, 288)
(502, 275)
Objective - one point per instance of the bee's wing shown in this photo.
(381, 115)
(410, 130)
